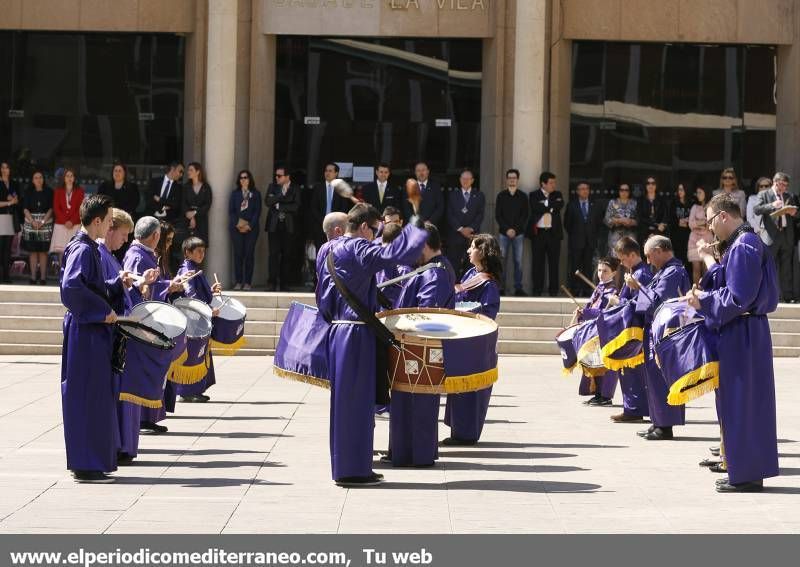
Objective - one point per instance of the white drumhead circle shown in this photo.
(439, 325)
(198, 315)
(162, 317)
(232, 310)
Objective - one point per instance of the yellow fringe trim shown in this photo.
(588, 347)
(144, 402)
(696, 383)
(593, 372)
(224, 349)
(313, 380)
(177, 362)
(470, 382)
(627, 335)
(565, 372)
(190, 374)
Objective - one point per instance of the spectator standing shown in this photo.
(123, 193)
(583, 218)
(465, 209)
(9, 198)
(678, 218)
(325, 200)
(244, 211)
(753, 219)
(67, 201)
(700, 231)
(546, 232)
(511, 213)
(431, 208)
(196, 202)
(381, 193)
(164, 195)
(729, 183)
(651, 212)
(620, 217)
(37, 230)
(283, 202)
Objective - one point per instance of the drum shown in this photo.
(586, 343)
(302, 353)
(470, 306)
(569, 357)
(227, 334)
(158, 333)
(621, 333)
(686, 352)
(443, 351)
(194, 366)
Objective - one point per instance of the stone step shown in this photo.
(28, 323)
(29, 349)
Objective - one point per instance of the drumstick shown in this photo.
(216, 282)
(129, 320)
(585, 279)
(572, 297)
(194, 275)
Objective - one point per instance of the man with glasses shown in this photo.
(745, 290)
(351, 342)
(778, 210)
(283, 202)
(465, 208)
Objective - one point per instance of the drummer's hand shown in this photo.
(693, 297)
(613, 301)
(175, 285)
(215, 312)
(216, 288)
(705, 248)
(631, 282)
(127, 279)
(111, 318)
(578, 312)
(150, 275)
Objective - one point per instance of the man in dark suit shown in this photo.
(465, 209)
(380, 193)
(582, 220)
(545, 233)
(781, 230)
(432, 206)
(324, 200)
(164, 195)
(283, 202)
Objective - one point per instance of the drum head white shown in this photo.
(161, 316)
(198, 316)
(232, 309)
(444, 325)
(567, 334)
(469, 306)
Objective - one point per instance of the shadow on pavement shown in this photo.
(206, 464)
(498, 485)
(150, 451)
(198, 482)
(478, 454)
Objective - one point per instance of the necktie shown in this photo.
(381, 191)
(466, 198)
(783, 217)
(165, 189)
(330, 199)
(422, 187)
(585, 210)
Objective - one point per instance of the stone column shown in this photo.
(220, 138)
(787, 131)
(530, 60)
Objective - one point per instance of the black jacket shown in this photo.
(583, 232)
(125, 198)
(542, 203)
(318, 207)
(764, 207)
(284, 217)
(650, 215)
(512, 211)
(432, 206)
(171, 204)
(393, 196)
(456, 217)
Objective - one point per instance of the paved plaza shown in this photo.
(255, 460)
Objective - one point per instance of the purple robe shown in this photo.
(197, 288)
(745, 291)
(632, 380)
(670, 282)
(605, 385)
(466, 413)
(88, 403)
(351, 347)
(392, 292)
(414, 418)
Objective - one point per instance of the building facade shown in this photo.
(602, 90)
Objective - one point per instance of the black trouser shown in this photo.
(5, 258)
(244, 251)
(580, 258)
(545, 245)
(785, 254)
(280, 257)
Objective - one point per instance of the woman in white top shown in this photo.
(729, 183)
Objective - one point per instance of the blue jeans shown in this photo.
(517, 245)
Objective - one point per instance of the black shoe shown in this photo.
(206, 398)
(124, 459)
(646, 431)
(92, 477)
(602, 402)
(456, 442)
(714, 451)
(520, 293)
(626, 418)
(718, 468)
(659, 434)
(33, 282)
(195, 399)
(271, 287)
(709, 462)
(360, 481)
(756, 486)
(386, 457)
(154, 427)
(593, 400)
(42, 282)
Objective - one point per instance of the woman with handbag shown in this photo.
(38, 227)
(8, 221)
(244, 211)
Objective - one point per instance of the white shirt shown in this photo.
(381, 190)
(547, 219)
(165, 185)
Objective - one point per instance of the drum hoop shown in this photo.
(124, 328)
(679, 331)
(404, 337)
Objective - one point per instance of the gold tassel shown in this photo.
(139, 401)
(593, 372)
(223, 349)
(627, 335)
(617, 364)
(190, 374)
(696, 383)
(296, 376)
(470, 382)
(566, 372)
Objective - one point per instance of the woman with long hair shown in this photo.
(700, 231)
(38, 228)
(244, 210)
(196, 201)
(620, 217)
(123, 192)
(729, 183)
(67, 201)
(679, 230)
(9, 197)
(466, 413)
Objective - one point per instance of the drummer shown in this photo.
(198, 287)
(745, 290)
(604, 295)
(669, 282)
(466, 413)
(91, 429)
(632, 380)
(414, 421)
(391, 293)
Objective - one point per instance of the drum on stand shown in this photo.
(194, 366)
(155, 332)
(443, 351)
(227, 334)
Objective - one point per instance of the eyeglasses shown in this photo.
(280, 175)
(243, 177)
(727, 177)
(651, 183)
(709, 221)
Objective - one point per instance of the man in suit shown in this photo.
(465, 209)
(325, 200)
(164, 195)
(781, 230)
(283, 202)
(545, 233)
(582, 220)
(432, 206)
(379, 193)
